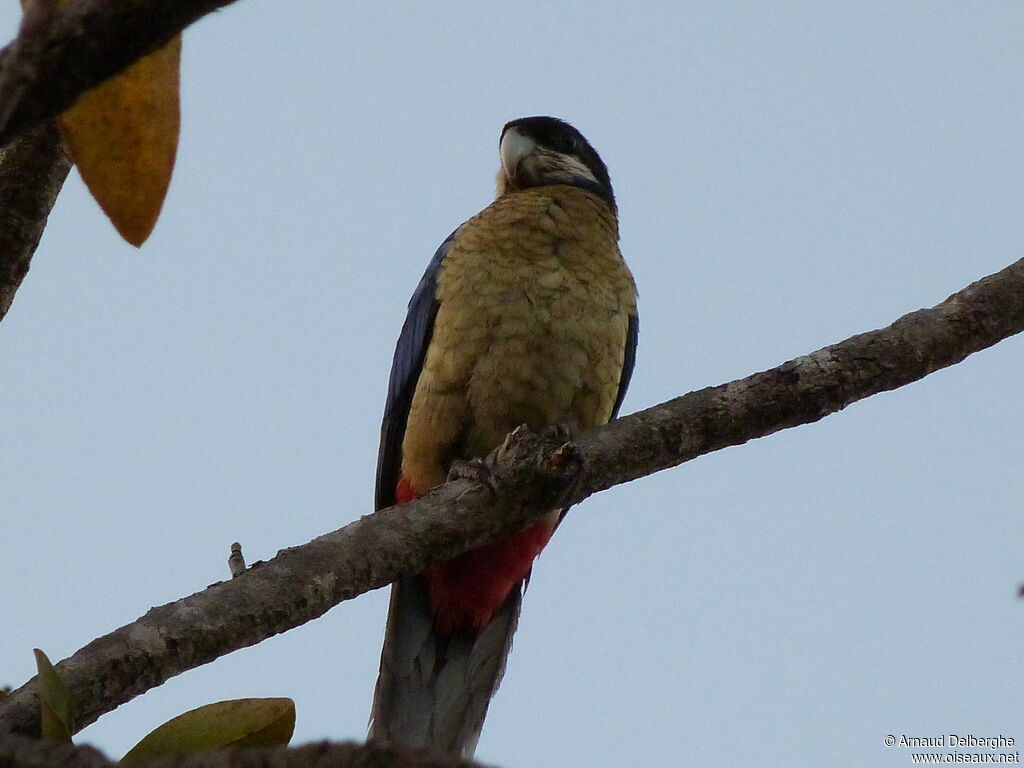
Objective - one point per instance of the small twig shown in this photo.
(236, 561)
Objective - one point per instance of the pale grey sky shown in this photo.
(788, 174)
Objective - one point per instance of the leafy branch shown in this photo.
(90, 41)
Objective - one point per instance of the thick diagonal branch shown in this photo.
(532, 475)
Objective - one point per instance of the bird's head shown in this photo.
(537, 151)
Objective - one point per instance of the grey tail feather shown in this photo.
(433, 690)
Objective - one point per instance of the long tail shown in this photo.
(434, 689)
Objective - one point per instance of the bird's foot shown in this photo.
(562, 435)
(559, 433)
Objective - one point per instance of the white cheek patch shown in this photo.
(557, 168)
(576, 168)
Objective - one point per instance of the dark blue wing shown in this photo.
(632, 332)
(410, 351)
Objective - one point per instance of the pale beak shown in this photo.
(514, 147)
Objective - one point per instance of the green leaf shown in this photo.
(236, 723)
(54, 702)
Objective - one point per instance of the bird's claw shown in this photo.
(559, 433)
(475, 470)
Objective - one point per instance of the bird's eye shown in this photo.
(571, 144)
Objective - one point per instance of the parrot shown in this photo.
(527, 314)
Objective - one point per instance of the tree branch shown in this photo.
(532, 474)
(24, 53)
(23, 752)
(90, 41)
(32, 171)
(808, 388)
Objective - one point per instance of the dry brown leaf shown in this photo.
(123, 136)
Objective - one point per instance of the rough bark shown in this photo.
(90, 41)
(32, 171)
(22, 752)
(530, 474)
(21, 66)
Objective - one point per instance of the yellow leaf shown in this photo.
(236, 723)
(54, 701)
(123, 136)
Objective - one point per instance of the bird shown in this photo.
(527, 314)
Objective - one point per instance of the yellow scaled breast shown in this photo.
(535, 301)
